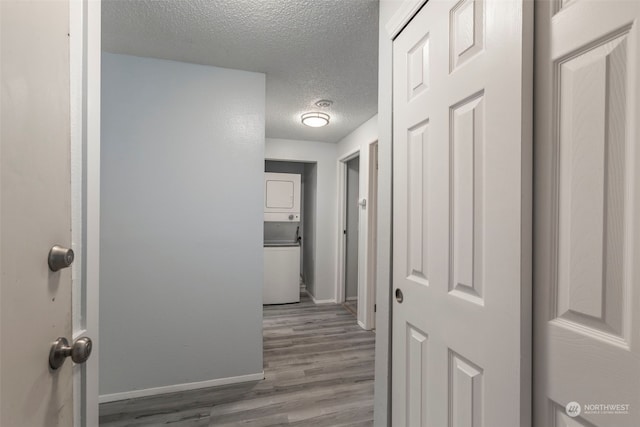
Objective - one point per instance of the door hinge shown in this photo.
(344, 232)
(375, 308)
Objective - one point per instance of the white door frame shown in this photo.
(342, 224)
(306, 229)
(372, 236)
(401, 18)
(85, 54)
(366, 254)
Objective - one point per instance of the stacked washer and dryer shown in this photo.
(281, 238)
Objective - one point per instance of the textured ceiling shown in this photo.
(309, 50)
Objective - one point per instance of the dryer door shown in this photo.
(282, 197)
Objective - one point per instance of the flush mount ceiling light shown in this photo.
(315, 119)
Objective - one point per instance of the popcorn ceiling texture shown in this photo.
(309, 50)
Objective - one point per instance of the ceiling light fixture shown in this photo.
(315, 119)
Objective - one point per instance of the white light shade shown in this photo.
(315, 120)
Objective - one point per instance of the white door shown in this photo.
(36, 303)
(461, 220)
(587, 210)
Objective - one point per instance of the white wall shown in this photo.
(182, 221)
(324, 155)
(359, 139)
(382, 386)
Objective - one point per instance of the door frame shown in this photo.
(306, 227)
(342, 223)
(85, 34)
(367, 254)
(371, 243)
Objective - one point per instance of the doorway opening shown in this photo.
(352, 234)
(301, 232)
(372, 240)
(357, 245)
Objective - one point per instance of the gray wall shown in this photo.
(181, 223)
(310, 179)
(284, 167)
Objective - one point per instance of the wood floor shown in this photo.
(318, 366)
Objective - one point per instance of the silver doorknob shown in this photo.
(60, 350)
(60, 257)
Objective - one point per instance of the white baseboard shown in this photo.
(320, 301)
(179, 387)
(361, 325)
(352, 299)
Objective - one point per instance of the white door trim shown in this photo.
(366, 279)
(85, 66)
(342, 223)
(371, 239)
(92, 176)
(403, 15)
(175, 388)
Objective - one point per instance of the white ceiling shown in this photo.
(309, 50)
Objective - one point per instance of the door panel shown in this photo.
(466, 181)
(35, 214)
(462, 189)
(587, 209)
(417, 380)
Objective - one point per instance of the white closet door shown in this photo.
(587, 209)
(462, 216)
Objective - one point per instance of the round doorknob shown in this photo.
(60, 257)
(399, 296)
(81, 350)
(60, 350)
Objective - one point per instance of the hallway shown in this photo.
(318, 365)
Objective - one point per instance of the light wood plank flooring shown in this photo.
(318, 367)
